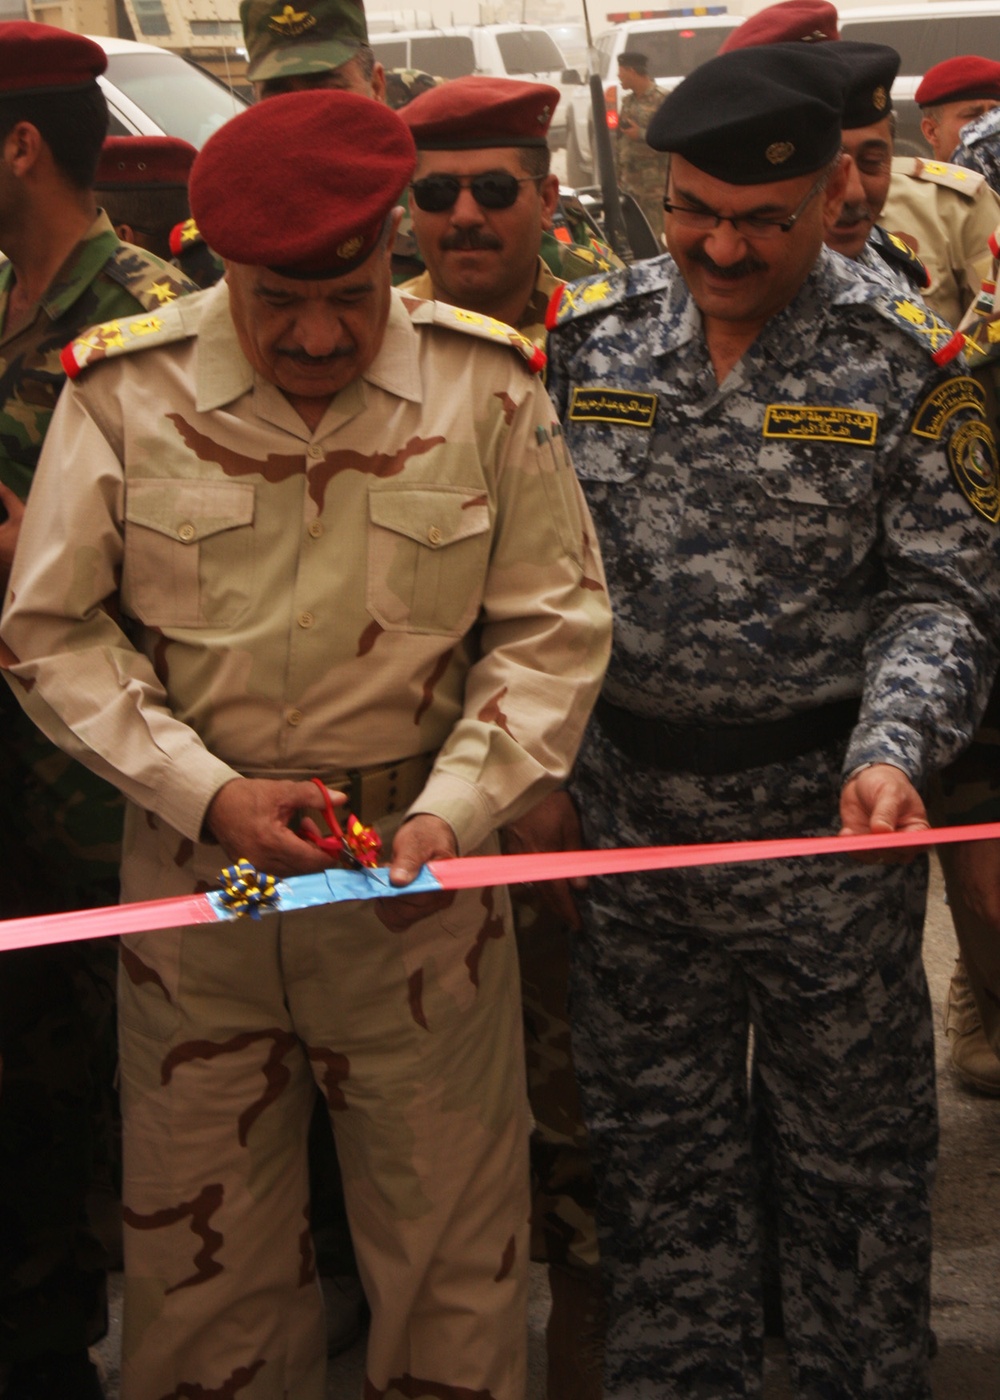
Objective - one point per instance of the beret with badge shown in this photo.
(40, 58)
(473, 112)
(302, 183)
(871, 71)
(807, 21)
(757, 115)
(959, 79)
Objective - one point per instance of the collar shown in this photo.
(224, 373)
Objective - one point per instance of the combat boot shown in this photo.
(972, 1057)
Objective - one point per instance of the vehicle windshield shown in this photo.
(444, 55)
(179, 97)
(672, 53)
(529, 52)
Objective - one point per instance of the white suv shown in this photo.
(152, 92)
(501, 50)
(675, 45)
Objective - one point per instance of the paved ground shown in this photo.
(966, 1313)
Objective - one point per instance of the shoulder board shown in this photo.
(183, 236)
(153, 283)
(952, 177)
(898, 253)
(122, 337)
(580, 261)
(455, 318)
(942, 343)
(583, 297)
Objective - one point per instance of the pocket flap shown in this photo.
(188, 511)
(431, 517)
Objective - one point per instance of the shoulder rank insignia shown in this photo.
(113, 338)
(920, 323)
(183, 236)
(898, 253)
(455, 318)
(952, 177)
(581, 298)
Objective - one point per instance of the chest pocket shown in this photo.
(428, 555)
(814, 516)
(188, 552)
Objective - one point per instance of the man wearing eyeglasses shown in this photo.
(798, 512)
(483, 196)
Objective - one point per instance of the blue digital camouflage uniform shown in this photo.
(979, 147)
(61, 829)
(789, 540)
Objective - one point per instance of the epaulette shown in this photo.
(898, 253)
(455, 318)
(952, 177)
(588, 260)
(183, 236)
(583, 297)
(153, 283)
(942, 343)
(121, 337)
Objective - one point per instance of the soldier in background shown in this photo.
(954, 94)
(322, 44)
(60, 826)
(141, 183)
(801, 636)
(979, 148)
(642, 172)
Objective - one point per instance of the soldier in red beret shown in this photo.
(142, 184)
(60, 825)
(811, 21)
(343, 539)
(954, 93)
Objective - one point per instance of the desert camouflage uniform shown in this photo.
(61, 831)
(946, 216)
(323, 588)
(979, 148)
(761, 565)
(532, 322)
(642, 172)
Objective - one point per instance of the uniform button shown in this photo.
(306, 619)
(187, 532)
(294, 717)
(316, 529)
(434, 535)
(314, 450)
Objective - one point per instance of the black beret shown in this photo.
(871, 70)
(756, 115)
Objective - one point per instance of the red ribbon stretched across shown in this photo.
(470, 872)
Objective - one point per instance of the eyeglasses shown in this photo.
(495, 189)
(747, 224)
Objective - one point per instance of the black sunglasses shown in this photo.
(495, 189)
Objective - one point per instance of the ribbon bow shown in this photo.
(247, 890)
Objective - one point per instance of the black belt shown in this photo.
(725, 748)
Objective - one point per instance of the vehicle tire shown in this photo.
(578, 173)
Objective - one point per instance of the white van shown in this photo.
(923, 35)
(502, 50)
(152, 92)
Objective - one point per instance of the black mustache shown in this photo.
(467, 240)
(734, 271)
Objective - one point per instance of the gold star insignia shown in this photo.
(146, 326)
(110, 334)
(163, 292)
(911, 312)
(596, 291)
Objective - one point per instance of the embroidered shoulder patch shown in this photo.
(945, 400)
(582, 297)
(972, 453)
(816, 424)
(953, 177)
(622, 406)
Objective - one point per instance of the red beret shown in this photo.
(809, 20)
(302, 183)
(958, 79)
(471, 112)
(144, 162)
(41, 58)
